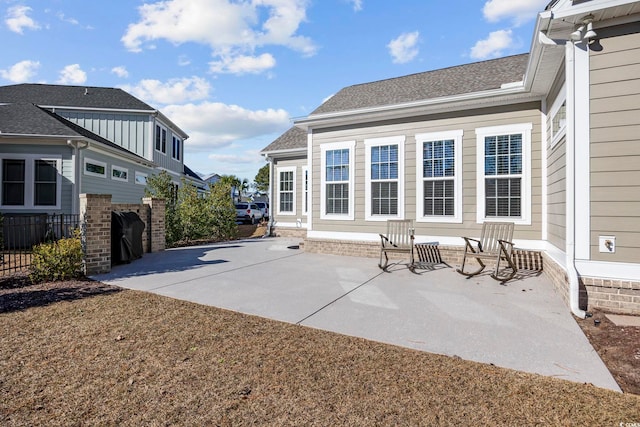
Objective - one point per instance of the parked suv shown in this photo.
(248, 212)
(264, 207)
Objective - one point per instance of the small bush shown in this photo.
(59, 260)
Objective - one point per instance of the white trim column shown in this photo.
(582, 151)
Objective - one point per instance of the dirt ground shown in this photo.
(618, 347)
(85, 353)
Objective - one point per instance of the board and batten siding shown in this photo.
(468, 122)
(45, 148)
(121, 191)
(166, 160)
(615, 143)
(129, 131)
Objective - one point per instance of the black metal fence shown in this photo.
(19, 233)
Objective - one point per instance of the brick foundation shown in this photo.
(619, 296)
(300, 233)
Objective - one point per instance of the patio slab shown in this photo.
(523, 325)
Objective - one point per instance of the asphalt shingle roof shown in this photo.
(462, 79)
(290, 140)
(72, 96)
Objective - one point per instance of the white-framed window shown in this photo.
(558, 114)
(504, 173)
(161, 139)
(337, 180)
(30, 181)
(286, 190)
(439, 176)
(95, 168)
(305, 190)
(176, 148)
(119, 174)
(384, 178)
(141, 178)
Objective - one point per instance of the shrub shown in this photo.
(59, 260)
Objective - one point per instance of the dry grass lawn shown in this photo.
(83, 353)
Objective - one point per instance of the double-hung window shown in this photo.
(439, 168)
(286, 190)
(504, 173)
(30, 181)
(384, 178)
(336, 190)
(305, 190)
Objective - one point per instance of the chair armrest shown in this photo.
(506, 242)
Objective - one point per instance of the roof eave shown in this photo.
(284, 152)
(430, 106)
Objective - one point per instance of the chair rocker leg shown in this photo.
(386, 261)
(472, 273)
(504, 278)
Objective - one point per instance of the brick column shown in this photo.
(95, 214)
(155, 224)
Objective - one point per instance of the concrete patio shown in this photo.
(522, 325)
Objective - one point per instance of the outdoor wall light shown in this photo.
(585, 31)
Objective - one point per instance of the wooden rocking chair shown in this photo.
(399, 239)
(494, 243)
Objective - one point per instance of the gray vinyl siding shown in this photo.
(130, 131)
(65, 152)
(299, 163)
(121, 192)
(468, 121)
(166, 160)
(615, 143)
(556, 177)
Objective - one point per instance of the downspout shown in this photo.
(271, 199)
(570, 147)
(570, 180)
(77, 183)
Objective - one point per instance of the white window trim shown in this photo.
(30, 178)
(525, 193)
(377, 142)
(137, 174)
(456, 136)
(286, 169)
(97, 163)
(166, 132)
(305, 190)
(557, 104)
(349, 145)
(118, 168)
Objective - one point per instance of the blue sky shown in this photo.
(233, 73)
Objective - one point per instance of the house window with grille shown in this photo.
(504, 188)
(305, 201)
(286, 190)
(337, 180)
(384, 178)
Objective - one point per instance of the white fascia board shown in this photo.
(171, 125)
(284, 152)
(431, 106)
(588, 7)
(609, 270)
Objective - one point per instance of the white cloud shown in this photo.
(243, 64)
(492, 46)
(21, 72)
(17, 19)
(357, 5)
(120, 72)
(520, 11)
(171, 91)
(183, 60)
(61, 16)
(72, 74)
(230, 28)
(212, 125)
(404, 48)
(249, 156)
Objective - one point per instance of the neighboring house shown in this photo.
(59, 141)
(211, 179)
(548, 140)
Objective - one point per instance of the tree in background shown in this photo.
(261, 181)
(223, 211)
(162, 187)
(235, 185)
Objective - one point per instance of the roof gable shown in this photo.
(458, 80)
(293, 139)
(89, 97)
